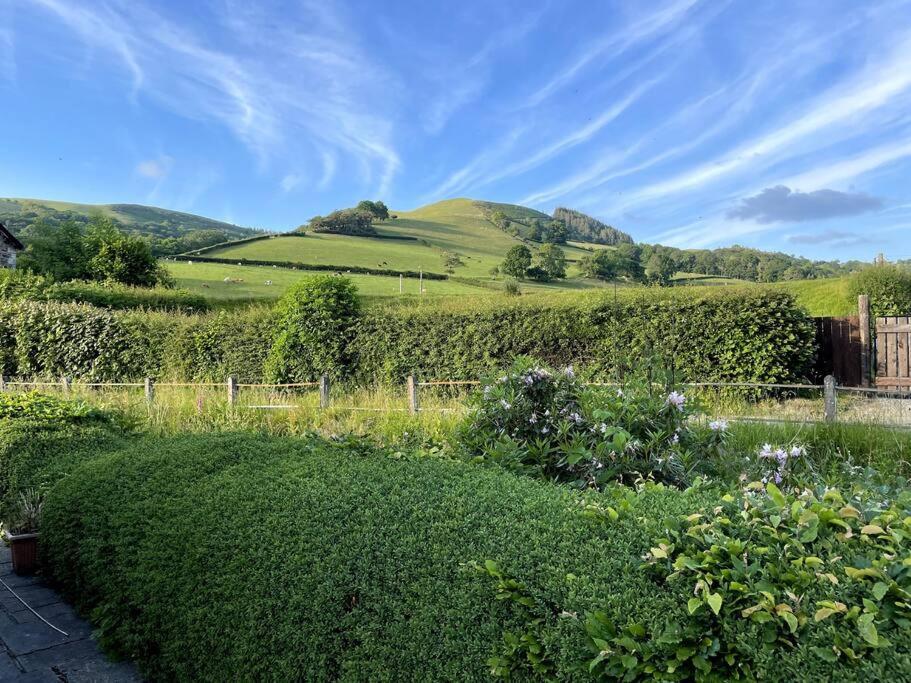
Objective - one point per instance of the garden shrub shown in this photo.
(238, 557)
(53, 340)
(36, 451)
(548, 423)
(241, 558)
(888, 286)
(314, 324)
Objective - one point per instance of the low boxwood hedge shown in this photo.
(237, 557)
(241, 558)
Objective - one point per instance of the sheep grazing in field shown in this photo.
(268, 282)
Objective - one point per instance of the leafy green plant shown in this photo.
(37, 406)
(789, 568)
(26, 514)
(888, 286)
(548, 423)
(315, 321)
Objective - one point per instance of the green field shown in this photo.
(456, 225)
(249, 282)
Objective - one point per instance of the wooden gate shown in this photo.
(839, 343)
(893, 342)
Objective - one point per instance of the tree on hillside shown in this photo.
(587, 229)
(660, 268)
(451, 261)
(344, 222)
(517, 261)
(599, 264)
(57, 251)
(117, 257)
(552, 260)
(629, 261)
(376, 209)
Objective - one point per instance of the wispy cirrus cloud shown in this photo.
(832, 238)
(301, 86)
(613, 44)
(883, 83)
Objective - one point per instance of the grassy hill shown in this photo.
(457, 226)
(19, 214)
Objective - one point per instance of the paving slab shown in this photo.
(33, 652)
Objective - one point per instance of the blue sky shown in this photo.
(781, 125)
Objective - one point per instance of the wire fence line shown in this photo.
(858, 404)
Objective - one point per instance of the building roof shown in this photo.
(10, 238)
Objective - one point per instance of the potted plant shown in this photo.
(22, 531)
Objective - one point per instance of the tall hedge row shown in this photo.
(726, 337)
(761, 336)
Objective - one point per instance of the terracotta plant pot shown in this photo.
(24, 549)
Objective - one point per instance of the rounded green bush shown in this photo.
(242, 558)
(888, 286)
(314, 323)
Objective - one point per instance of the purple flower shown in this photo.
(505, 404)
(718, 425)
(569, 371)
(677, 400)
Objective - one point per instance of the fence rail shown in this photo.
(829, 390)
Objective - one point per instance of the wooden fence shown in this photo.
(232, 389)
(893, 352)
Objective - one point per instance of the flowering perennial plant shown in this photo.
(548, 423)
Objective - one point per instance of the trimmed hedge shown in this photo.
(720, 336)
(241, 558)
(236, 557)
(737, 337)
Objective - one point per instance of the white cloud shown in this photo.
(290, 181)
(329, 164)
(155, 169)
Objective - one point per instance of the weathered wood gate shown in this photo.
(839, 344)
(893, 352)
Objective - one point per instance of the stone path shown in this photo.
(33, 651)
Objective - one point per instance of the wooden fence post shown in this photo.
(67, 383)
(324, 391)
(413, 406)
(866, 350)
(829, 399)
(150, 389)
(2, 382)
(232, 390)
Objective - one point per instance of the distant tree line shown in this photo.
(584, 228)
(533, 229)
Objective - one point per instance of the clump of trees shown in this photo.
(533, 229)
(97, 252)
(451, 261)
(549, 263)
(344, 222)
(610, 264)
(356, 221)
(376, 209)
(584, 228)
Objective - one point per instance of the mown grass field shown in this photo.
(249, 282)
(456, 226)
